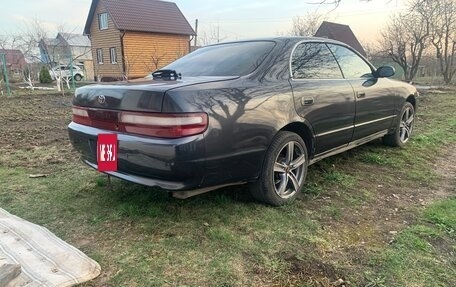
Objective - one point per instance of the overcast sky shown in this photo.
(235, 19)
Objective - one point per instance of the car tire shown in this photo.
(77, 77)
(404, 127)
(284, 170)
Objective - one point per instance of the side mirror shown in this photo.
(385, 72)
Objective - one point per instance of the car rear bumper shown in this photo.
(172, 164)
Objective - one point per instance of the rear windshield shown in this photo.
(233, 59)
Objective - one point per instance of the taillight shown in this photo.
(80, 112)
(164, 125)
(81, 116)
(150, 124)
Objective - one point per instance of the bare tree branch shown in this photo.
(405, 38)
(307, 25)
(443, 34)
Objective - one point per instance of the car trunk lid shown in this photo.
(136, 108)
(143, 95)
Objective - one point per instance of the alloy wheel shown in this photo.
(289, 169)
(406, 126)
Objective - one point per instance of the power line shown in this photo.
(286, 19)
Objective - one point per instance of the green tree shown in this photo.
(45, 77)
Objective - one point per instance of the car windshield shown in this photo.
(231, 59)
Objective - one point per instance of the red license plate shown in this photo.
(107, 152)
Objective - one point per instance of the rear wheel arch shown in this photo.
(284, 170)
(305, 132)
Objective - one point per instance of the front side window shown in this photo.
(103, 21)
(230, 59)
(352, 65)
(113, 55)
(100, 56)
(314, 61)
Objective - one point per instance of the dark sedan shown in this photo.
(257, 112)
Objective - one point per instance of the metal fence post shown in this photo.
(5, 73)
(71, 73)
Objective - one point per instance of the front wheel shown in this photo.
(77, 77)
(404, 128)
(284, 170)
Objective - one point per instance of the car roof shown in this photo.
(294, 39)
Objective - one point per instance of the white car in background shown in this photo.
(65, 72)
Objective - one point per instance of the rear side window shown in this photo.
(352, 65)
(314, 61)
(232, 59)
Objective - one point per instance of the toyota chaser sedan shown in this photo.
(255, 111)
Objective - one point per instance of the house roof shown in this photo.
(50, 41)
(75, 40)
(340, 32)
(11, 52)
(14, 58)
(66, 39)
(143, 16)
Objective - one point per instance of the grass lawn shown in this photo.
(372, 216)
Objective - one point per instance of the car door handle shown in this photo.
(360, 95)
(307, 101)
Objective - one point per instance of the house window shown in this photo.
(103, 21)
(113, 54)
(100, 56)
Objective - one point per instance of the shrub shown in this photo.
(45, 77)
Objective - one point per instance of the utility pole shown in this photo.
(5, 73)
(196, 32)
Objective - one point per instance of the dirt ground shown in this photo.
(388, 212)
(31, 121)
(374, 225)
(36, 124)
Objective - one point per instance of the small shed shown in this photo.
(342, 33)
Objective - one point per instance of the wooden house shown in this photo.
(132, 38)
